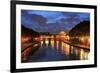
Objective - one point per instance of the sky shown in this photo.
(52, 21)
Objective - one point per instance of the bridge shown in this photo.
(65, 39)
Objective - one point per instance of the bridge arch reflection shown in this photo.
(58, 44)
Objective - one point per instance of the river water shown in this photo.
(58, 51)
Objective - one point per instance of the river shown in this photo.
(58, 51)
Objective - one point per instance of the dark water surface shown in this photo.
(58, 51)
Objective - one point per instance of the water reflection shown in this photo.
(53, 49)
(68, 51)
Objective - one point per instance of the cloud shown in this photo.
(39, 19)
(50, 21)
(77, 16)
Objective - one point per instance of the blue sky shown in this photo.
(52, 21)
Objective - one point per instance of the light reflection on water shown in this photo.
(73, 53)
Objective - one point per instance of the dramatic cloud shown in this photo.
(50, 21)
(35, 18)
